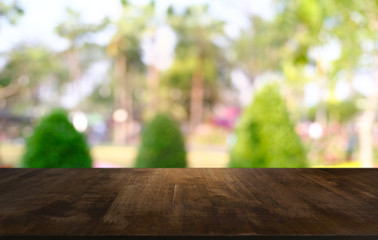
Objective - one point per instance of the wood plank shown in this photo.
(189, 203)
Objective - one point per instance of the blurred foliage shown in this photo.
(34, 78)
(80, 53)
(208, 134)
(198, 59)
(180, 74)
(179, 77)
(35, 62)
(11, 11)
(125, 51)
(130, 29)
(101, 98)
(28, 70)
(56, 144)
(258, 48)
(337, 111)
(162, 145)
(75, 30)
(266, 135)
(196, 30)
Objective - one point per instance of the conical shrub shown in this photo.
(266, 135)
(55, 143)
(162, 145)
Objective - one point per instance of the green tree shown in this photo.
(266, 135)
(367, 27)
(304, 25)
(355, 24)
(56, 144)
(162, 145)
(258, 49)
(125, 50)
(301, 28)
(10, 11)
(341, 112)
(176, 82)
(76, 32)
(27, 70)
(196, 30)
(281, 45)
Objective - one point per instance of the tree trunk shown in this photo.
(123, 100)
(196, 99)
(365, 126)
(1, 158)
(7, 92)
(321, 112)
(153, 88)
(74, 70)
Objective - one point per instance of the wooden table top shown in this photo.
(189, 203)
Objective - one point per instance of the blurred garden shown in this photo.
(163, 83)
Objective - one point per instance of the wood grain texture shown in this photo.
(195, 203)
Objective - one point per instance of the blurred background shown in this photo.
(113, 65)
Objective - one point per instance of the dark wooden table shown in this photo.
(189, 203)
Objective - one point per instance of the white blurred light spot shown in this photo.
(364, 83)
(312, 94)
(326, 53)
(342, 90)
(120, 115)
(241, 82)
(80, 121)
(158, 47)
(315, 130)
(232, 30)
